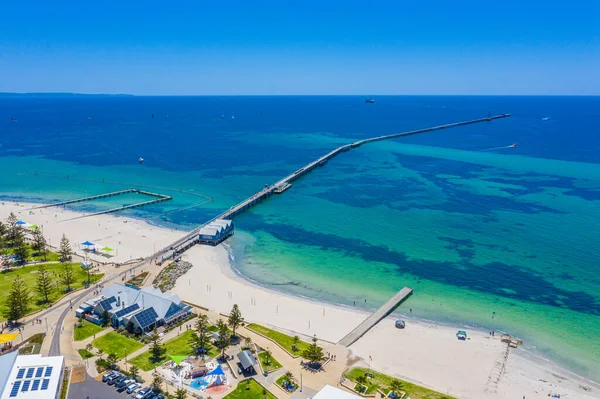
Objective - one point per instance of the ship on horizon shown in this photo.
(369, 100)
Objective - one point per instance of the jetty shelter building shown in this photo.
(216, 232)
(140, 310)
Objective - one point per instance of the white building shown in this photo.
(30, 376)
(329, 392)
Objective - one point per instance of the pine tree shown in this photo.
(224, 338)
(105, 318)
(64, 249)
(44, 282)
(20, 248)
(39, 243)
(314, 353)
(17, 303)
(201, 333)
(13, 227)
(235, 318)
(3, 229)
(156, 348)
(68, 276)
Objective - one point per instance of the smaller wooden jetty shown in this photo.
(376, 317)
(157, 198)
(90, 198)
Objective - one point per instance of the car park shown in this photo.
(112, 379)
(123, 383)
(117, 380)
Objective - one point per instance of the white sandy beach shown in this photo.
(426, 353)
(130, 238)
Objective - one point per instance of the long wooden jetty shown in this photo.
(376, 317)
(124, 207)
(191, 239)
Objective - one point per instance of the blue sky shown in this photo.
(301, 47)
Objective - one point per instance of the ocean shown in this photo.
(489, 235)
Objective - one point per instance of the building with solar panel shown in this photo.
(30, 376)
(138, 310)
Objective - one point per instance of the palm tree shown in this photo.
(361, 380)
(248, 341)
(180, 394)
(396, 387)
(100, 353)
(288, 377)
(295, 341)
(89, 348)
(267, 357)
(133, 371)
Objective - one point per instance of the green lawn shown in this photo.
(178, 346)
(116, 343)
(29, 275)
(85, 354)
(282, 339)
(383, 381)
(255, 391)
(86, 330)
(273, 363)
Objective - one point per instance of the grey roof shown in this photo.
(6, 365)
(246, 358)
(145, 298)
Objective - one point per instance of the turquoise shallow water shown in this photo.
(502, 239)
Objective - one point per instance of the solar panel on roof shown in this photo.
(106, 303)
(36, 385)
(39, 372)
(25, 386)
(45, 384)
(20, 373)
(48, 371)
(128, 309)
(30, 372)
(146, 317)
(15, 389)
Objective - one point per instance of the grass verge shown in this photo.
(284, 340)
(249, 389)
(86, 330)
(116, 343)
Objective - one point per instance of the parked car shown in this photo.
(112, 379)
(142, 392)
(108, 375)
(150, 395)
(134, 387)
(160, 396)
(123, 383)
(117, 380)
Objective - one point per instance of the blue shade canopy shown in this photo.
(20, 222)
(87, 243)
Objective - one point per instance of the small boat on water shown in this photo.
(545, 118)
(370, 100)
(13, 120)
(141, 160)
(232, 116)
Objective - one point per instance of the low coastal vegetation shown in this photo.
(33, 346)
(85, 354)
(292, 345)
(138, 279)
(373, 381)
(250, 389)
(116, 344)
(84, 329)
(166, 279)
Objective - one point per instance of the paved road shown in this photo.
(55, 345)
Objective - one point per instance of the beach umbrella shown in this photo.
(4, 338)
(87, 243)
(20, 222)
(33, 226)
(107, 249)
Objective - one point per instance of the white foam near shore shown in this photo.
(425, 353)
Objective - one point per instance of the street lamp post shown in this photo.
(125, 350)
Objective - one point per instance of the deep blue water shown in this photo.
(473, 229)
